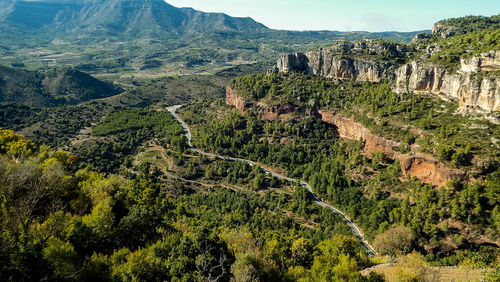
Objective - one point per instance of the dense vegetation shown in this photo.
(307, 148)
(470, 24)
(122, 198)
(450, 137)
(465, 46)
(52, 126)
(123, 132)
(461, 38)
(60, 223)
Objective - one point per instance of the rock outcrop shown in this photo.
(425, 168)
(349, 129)
(429, 170)
(293, 62)
(484, 62)
(359, 61)
(470, 85)
(345, 68)
(236, 100)
(473, 85)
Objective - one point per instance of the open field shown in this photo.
(395, 273)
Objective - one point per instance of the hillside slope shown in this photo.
(51, 88)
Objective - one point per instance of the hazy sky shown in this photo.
(346, 15)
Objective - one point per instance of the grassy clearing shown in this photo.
(413, 268)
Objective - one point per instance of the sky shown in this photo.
(346, 15)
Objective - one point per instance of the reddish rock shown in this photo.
(235, 100)
(427, 169)
(350, 129)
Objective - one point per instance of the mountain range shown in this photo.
(115, 17)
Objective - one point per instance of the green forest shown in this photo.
(64, 223)
(312, 152)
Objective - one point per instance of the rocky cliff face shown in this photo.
(236, 100)
(472, 86)
(359, 61)
(327, 64)
(293, 62)
(427, 169)
(350, 129)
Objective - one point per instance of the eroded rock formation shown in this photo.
(359, 61)
(429, 170)
(349, 129)
(425, 168)
(471, 85)
(345, 68)
(293, 62)
(236, 100)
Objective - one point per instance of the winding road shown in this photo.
(357, 232)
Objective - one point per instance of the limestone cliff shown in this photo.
(293, 62)
(363, 61)
(471, 85)
(236, 100)
(345, 68)
(476, 85)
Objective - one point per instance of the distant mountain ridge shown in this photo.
(117, 17)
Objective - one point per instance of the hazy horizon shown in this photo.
(342, 15)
